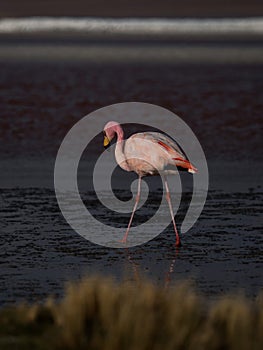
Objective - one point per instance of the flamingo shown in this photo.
(147, 154)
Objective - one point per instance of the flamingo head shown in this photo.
(110, 130)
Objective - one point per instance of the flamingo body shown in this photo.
(150, 153)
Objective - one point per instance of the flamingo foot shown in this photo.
(178, 243)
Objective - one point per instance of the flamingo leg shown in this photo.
(168, 198)
(124, 240)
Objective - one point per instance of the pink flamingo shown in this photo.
(147, 154)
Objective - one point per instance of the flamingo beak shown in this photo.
(106, 142)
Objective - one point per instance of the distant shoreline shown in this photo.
(148, 27)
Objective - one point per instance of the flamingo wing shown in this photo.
(173, 150)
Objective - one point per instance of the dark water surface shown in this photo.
(41, 101)
(40, 252)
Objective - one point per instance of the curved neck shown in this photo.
(119, 149)
(120, 140)
(120, 133)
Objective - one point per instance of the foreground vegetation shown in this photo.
(100, 314)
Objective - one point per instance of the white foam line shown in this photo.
(132, 26)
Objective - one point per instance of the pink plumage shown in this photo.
(147, 154)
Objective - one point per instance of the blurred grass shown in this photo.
(97, 313)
